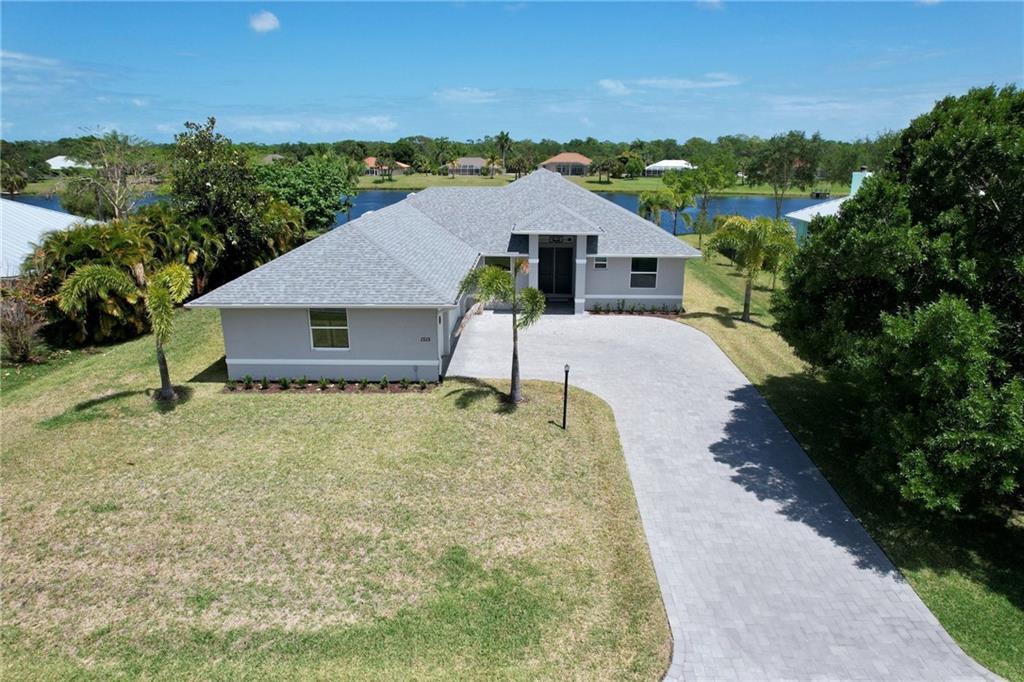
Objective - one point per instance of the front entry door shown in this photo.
(555, 271)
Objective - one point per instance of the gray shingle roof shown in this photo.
(416, 252)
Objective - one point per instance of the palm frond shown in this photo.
(177, 279)
(94, 281)
(531, 307)
(160, 308)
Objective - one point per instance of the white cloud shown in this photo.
(711, 4)
(709, 80)
(22, 61)
(614, 87)
(139, 102)
(465, 95)
(280, 125)
(264, 21)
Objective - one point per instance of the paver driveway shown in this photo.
(764, 572)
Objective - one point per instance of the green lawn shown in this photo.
(416, 535)
(970, 572)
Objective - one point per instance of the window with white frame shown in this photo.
(328, 327)
(643, 273)
(601, 263)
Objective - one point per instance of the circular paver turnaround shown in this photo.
(764, 571)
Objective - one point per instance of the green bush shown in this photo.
(284, 383)
(364, 383)
(323, 384)
(264, 383)
(384, 383)
(247, 382)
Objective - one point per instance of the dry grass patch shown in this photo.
(421, 535)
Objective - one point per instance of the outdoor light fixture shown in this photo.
(565, 396)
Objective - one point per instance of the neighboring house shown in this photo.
(468, 165)
(802, 218)
(567, 163)
(658, 169)
(24, 225)
(58, 163)
(371, 167)
(380, 295)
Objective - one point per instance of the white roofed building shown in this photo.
(21, 226)
(65, 162)
(656, 170)
(802, 218)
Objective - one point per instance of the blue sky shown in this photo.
(275, 72)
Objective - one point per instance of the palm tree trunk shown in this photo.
(516, 392)
(746, 299)
(166, 390)
(675, 219)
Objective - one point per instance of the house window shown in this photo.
(601, 263)
(328, 328)
(643, 273)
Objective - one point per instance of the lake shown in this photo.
(748, 206)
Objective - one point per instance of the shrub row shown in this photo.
(636, 309)
(323, 385)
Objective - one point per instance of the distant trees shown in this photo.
(320, 186)
(786, 161)
(13, 179)
(914, 297)
(750, 244)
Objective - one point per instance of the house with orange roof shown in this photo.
(567, 163)
(371, 167)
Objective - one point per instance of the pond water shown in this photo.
(374, 199)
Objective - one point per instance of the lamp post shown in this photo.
(565, 397)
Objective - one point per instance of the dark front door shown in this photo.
(555, 271)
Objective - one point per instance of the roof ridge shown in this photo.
(25, 204)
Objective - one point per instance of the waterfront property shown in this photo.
(568, 163)
(803, 217)
(656, 170)
(468, 165)
(380, 296)
(372, 169)
(61, 162)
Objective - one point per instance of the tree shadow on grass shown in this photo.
(725, 317)
(478, 390)
(101, 407)
(216, 373)
(985, 546)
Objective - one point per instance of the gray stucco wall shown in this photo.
(275, 342)
(608, 286)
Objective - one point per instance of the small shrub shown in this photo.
(230, 385)
(20, 322)
(404, 383)
(664, 307)
(264, 383)
(305, 382)
(632, 308)
(597, 308)
(622, 304)
(247, 382)
(364, 383)
(384, 383)
(323, 384)
(342, 384)
(423, 385)
(284, 383)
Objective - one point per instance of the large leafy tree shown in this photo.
(750, 244)
(786, 161)
(320, 186)
(914, 294)
(160, 293)
(713, 173)
(490, 283)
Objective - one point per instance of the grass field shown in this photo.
(970, 572)
(627, 185)
(415, 535)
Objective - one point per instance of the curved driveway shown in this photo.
(764, 571)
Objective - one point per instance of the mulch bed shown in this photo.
(667, 314)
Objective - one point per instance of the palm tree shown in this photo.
(652, 203)
(503, 141)
(491, 283)
(749, 244)
(781, 252)
(169, 286)
(493, 160)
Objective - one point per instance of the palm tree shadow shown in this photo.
(769, 463)
(478, 390)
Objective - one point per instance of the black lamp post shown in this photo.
(565, 397)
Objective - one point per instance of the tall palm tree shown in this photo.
(749, 244)
(491, 283)
(494, 160)
(503, 141)
(652, 203)
(169, 286)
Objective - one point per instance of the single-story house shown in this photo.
(567, 163)
(62, 162)
(802, 218)
(468, 165)
(380, 295)
(24, 225)
(371, 167)
(658, 169)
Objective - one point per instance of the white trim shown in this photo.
(339, 362)
(579, 300)
(631, 296)
(559, 234)
(309, 322)
(259, 306)
(533, 260)
(640, 255)
(642, 272)
(581, 261)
